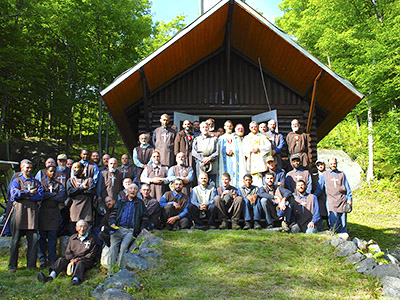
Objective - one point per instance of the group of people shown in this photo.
(197, 177)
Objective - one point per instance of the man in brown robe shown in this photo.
(296, 174)
(110, 181)
(152, 206)
(174, 208)
(126, 169)
(95, 158)
(299, 143)
(49, 217)
(155, 174)
(41, 174)
(81, 190)
(90, 169)
(163, 140)
(63, 173)
(182, 171)
(142, 154)
(212, 130)
(322, 198)
(184, 142)
(25, 192)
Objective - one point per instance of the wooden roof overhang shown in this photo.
(253, 36)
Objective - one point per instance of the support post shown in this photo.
(145, 98)
(312, 106)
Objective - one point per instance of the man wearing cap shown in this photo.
(277, 142)
(256, 148)
(305, 209)
(81, 252)
(63, 173)
(25, 193)
(205, 152)
(296, 174)
(338, 194)
(299, 143)
(280, 176)
(163, 140)
(156, 174)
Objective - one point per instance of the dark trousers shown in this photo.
(81, 266)
(47, 243)
(31, 237)
(169, 211)
(154, 210)
(227, 206)
(210, 214)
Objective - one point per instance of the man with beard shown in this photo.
(104, 234)
(230, 154)
(252, 206)
(81, 190)
(127, 170)
(163, 140)
(62, 175)
(25, 193)
(338, 194)
(182, 171)
(280, 176)
(81, 251)
(41, 174)
(142, 154)
(299, 143)
(95, 158)
(275, 197)
(229, 203)
(277, 142)
(184, 142)
(130, 217)
(262, 128)
(89, 169)
(196, 128)
(110, 181)
(201, 204)
(296, 174)
(305, 209)
(239, 131)
(106, 157)
(174, 208)
(49, 217)
(125, 183)
(152, 206)
(211, 125)
(321, 198)
(205, 152)
(155, 174)
(256, 147)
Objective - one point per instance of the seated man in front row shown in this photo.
(305, 209)
(229, 203)
(81, 251)
(252, 206)
(174, 208)
(201, 203)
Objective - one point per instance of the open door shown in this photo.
(180, 117)
(266, 116)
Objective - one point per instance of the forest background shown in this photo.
(57, 55)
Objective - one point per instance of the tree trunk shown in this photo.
(358, 125)
(107, 132)
(100, 100)
(370, 171)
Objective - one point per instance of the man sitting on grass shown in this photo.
(81, 251)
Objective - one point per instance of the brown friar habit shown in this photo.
(300, 143)
(275, 139)
(335, 191)
(157, 190)
(164, 143)
(296, 176)
(81, 207)
(88, 170)
(144, 156)
(183, 171)
(49, 213)
(111, 184)
(26, 211)
(321, 198)
(182, 201)
(128, 172)
(183, 143)
(303, 210)
(63, 176)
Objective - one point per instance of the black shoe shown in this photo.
(43, 278)
(247, 226)
(257, 225)
(200, 227)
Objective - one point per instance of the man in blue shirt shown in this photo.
(25, 193)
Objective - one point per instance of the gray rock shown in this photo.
(145, 240)
(395, 253)
(355, 258)
(385, 270)
(122, 279)
(361, 244)
(343, 235)
(391, 287)
(346, 249)
(112, 294)
(374, 248)
(149, 252)
(392, 259)
(133, 261)
(336, 242)
(327, 242)
(5, 244)
(366, 266)
(325, 232)
(63, 243)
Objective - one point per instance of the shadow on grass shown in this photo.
(387, 238)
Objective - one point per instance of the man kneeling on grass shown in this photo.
(81, 251)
